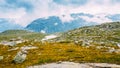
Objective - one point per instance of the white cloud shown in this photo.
(98, 19)
(66, 18)
(48, 7)
(18, 13)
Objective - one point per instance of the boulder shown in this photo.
(78, 42)
(20, 57)
(118, 44)
(111, 50)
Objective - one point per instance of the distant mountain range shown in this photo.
(53, 24)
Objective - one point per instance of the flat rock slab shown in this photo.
(76, 65)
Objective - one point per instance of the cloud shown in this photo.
(25, 11)
(97, 18)
(66, 18)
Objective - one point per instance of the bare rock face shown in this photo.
(20, 57)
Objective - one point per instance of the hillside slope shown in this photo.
(9, 34)
(104, 33)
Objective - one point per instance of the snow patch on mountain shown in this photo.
(56, 24)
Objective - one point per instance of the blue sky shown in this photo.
(22, 12)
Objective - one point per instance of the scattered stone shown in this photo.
(82, 42)
(85, 43)
(111, 50)
(1, 58)
(20, 57)
(59, 62)
(13, 49)
(78, 43)
(28, 47)
(99, 47)
(11, 43)
(118, 45)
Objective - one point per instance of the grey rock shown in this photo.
(1, 58)
(111, 50)
(118, 44)
(20, 57)
(9, 43)
(28, 47)
(13, 49)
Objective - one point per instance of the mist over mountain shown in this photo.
(51, 25)
(64, 23)
(7, 25)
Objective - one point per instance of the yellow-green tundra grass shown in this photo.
(55, 52)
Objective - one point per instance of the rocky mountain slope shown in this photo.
(104, 33)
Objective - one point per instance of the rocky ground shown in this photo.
(76, 65)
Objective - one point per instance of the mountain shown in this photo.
(5, 24)
(108, 33)
(54, 24)
(62, 23)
